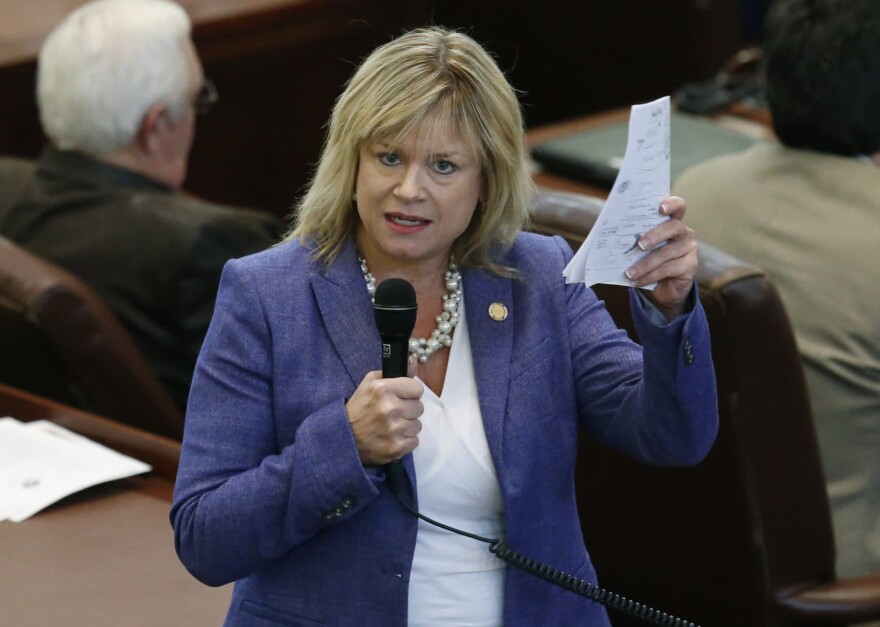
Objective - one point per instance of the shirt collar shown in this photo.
(87, 169)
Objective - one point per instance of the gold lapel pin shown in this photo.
(498, 312)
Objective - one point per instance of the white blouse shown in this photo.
(455, 580)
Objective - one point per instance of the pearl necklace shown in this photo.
(422, 348)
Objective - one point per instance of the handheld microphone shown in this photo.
(395, 308)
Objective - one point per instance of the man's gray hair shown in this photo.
(103, 67)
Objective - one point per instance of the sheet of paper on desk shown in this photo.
(41, 463)
(633, 205)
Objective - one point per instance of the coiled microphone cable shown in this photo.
(396, 478)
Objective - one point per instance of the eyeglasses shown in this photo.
(206, 98)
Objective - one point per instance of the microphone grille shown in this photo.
(395, 307)
(395, 293)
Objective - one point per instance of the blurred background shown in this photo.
(279, 64)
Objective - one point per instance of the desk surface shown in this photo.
(105, 556)
(561, 129)
(24, 23)
(747, 123)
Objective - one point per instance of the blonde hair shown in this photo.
(425, 77)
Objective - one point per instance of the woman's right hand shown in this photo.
(384, 417)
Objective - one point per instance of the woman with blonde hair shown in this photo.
(284, 485)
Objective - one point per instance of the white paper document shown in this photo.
(633, 206)
(41, 463)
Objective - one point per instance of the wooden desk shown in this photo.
(104, 556)
(541, 134)
(744, 121)
(25, 23)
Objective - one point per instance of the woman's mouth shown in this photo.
(404, 220)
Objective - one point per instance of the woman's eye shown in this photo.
(444, 167)
(389, 158)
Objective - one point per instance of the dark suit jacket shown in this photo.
(154, 255)
(271, 492)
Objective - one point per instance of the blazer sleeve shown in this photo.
(240, 500)
(658, 402)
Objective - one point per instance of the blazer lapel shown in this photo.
(348, 317)
(491, 348)
(347, 312)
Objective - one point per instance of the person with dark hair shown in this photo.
(119, 86)
(807, 210)
(283, 484)
(822, 70)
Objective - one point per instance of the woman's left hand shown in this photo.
(673, 266)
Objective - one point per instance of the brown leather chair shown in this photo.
(744, 539)
(58, 339)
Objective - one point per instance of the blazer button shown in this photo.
(688, 353)
(347, 503)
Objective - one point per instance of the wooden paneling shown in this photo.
(572, 58)
(278, 74)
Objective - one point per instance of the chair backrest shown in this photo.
(718, 543)
(58, 339)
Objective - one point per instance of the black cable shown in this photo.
(543, 571)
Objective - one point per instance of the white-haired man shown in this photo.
(119, 86)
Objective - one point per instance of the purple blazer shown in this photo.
(271, 493)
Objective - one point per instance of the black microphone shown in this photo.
(395, 308)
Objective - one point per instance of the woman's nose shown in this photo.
(409, 187)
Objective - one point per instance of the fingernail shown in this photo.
(629, 274)
(664, 209)
(641, 244)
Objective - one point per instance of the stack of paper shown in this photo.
(633, 206)
(41, 463)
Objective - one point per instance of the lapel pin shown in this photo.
(498, 312)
